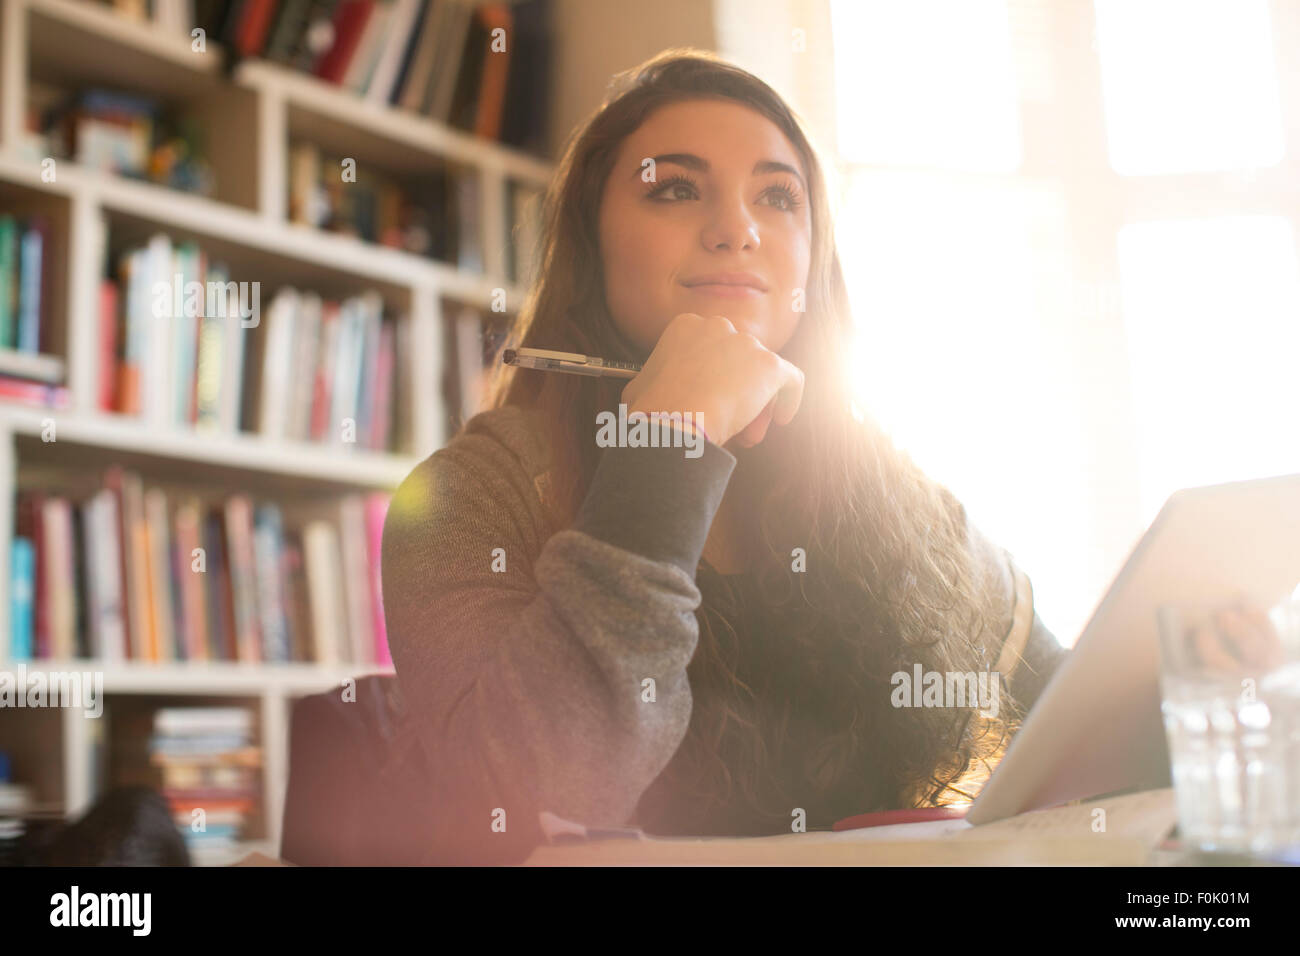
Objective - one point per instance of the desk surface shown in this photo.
(1113, 831)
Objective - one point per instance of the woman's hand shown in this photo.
(1239, 636)
(735, 385)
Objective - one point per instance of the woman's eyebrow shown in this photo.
(700, 164)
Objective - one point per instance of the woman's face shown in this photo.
(729, 196)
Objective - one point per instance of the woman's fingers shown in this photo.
(756, 431)
(1250, 636)
(790, 396)
(1211, 652)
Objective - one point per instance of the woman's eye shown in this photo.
(790, 200)
(679, 187)
(669, 189)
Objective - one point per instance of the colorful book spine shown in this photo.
(9, 234)
(268, 541)
(239, 550)
(22, 596)
(193, 578)
(220, 607)
(161, 578)
(31, 252)
(356, 579)
(376, 513)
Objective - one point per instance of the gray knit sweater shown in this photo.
(524, 667)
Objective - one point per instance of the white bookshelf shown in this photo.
(252, 116)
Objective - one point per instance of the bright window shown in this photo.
(897, 78)
(1189, 85)
(1212, 312)
(1063, 372)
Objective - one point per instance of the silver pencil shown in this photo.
(573, 362)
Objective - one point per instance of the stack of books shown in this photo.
(182, 344)
(172, 335)
(481, 67)
(210, 771)
(328, 372)
(135, 573)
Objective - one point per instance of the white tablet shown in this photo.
(1096, 729)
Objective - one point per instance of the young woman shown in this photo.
(698, 644)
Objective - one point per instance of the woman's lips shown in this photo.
(719, 290)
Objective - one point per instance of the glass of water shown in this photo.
(1230, 689)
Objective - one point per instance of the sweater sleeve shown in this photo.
(524, 667)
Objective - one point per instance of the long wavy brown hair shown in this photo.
(791, 677)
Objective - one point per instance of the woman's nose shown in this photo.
(731, 229)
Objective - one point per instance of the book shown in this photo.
(56, 517)
(376, 513)
(495, 70)
(368, 49)
(528, 93)
(454, 37)
(233, 374)
(31, 249)
(253, 26)
(194, 590)
(402, 26)
(302, 379)
(293, 583)
(463, 111)
(123, 487)
(160, 573)
(356, 579)
(9, 281)
(383, 384)
(22, 595)
(191, 720)
(34, 393)
(350, 19)
(221, 628)
(187, 268)
(268, 542)
(316, 37)
(240, 557)
(324, 577)
(424, 47)
(322, 380)
(104, 583)
(155, 329)
(277, 359)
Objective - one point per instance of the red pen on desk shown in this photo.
(889, 817)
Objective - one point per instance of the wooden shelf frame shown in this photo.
(73, 41)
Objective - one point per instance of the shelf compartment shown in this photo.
(23, 202)
(74, 34)
(29, 735)
(329, 114)
(127, 758)
(75, 46)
